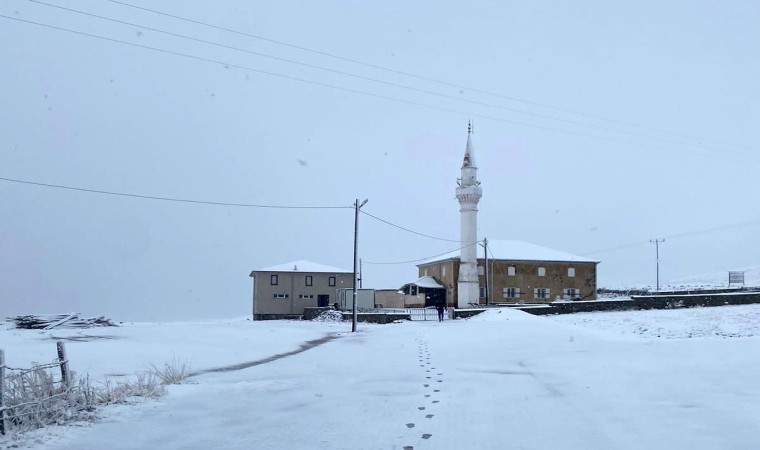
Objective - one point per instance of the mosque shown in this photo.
(509, 271)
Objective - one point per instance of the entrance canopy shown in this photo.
(427, 282)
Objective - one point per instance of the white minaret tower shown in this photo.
(468, 194)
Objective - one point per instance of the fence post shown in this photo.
(2, 388)
(64, 363)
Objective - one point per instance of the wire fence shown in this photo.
(41, 394)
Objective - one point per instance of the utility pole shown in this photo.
(357, 207)
(360, 273)
(485, 265)
(656, 243)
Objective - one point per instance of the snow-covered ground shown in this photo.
(712, 280)
(505, 379)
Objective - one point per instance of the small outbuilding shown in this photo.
(423, 292)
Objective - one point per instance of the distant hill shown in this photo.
(714, 280)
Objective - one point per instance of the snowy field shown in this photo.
(712, 280)
(505, 379)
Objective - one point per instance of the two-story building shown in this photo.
(283, 291)
(519, 272)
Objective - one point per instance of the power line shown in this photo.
(421, 259)
(679, 235)
(408, 230)
(203, 202)
(168, 199)
(317, 83)
(370, 79)
(303, 80)
(419, 77)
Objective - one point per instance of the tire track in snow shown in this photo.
(308, 345)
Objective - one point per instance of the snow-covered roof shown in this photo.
(517, 251)
(303, 266)
(426, 282)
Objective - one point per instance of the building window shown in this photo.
(480, 270)
(273, 280)
(281, 295)
(443, 271)
(305, 295)
(542, 271)
(541, 293)
(571, 271)
(511, 292)
(309, 280)
(426, 272)
(331, 281)
(510, 271)
(482, 292)
(571, 293)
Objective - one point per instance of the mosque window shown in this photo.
(511, 292)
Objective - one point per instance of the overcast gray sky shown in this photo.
(598, 126)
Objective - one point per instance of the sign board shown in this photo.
(736, 278)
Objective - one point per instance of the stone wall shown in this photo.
(466, 313)
(276, 316)
(376, 317)
(645, 302)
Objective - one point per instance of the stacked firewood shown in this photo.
(50, 321)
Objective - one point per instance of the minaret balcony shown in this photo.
(469, 195)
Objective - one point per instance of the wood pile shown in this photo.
(50, 321)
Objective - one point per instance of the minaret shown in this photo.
(468, 193)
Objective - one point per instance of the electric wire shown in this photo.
(406, 229)
(333, 86)
(418, 260)
(419, 77)
(167, 199)
(370, 79)
(214, 203)
(679, 235)
(303, 80)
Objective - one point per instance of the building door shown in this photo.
(432, 296)
(323, 300)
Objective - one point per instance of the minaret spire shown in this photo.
(468, 194)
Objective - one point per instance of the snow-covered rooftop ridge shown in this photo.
(303, 266)
(518, 251)
(427, 282)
